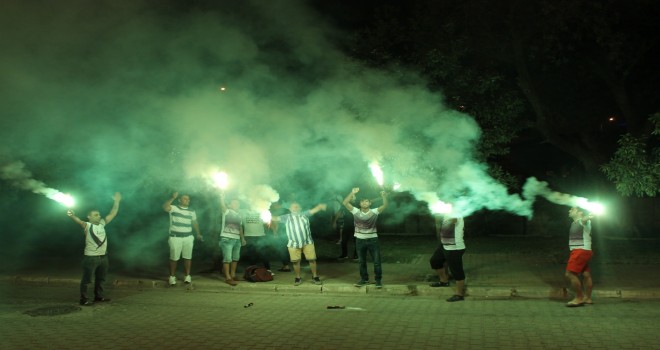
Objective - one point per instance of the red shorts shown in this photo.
(578, 262)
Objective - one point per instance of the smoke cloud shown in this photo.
(148, 99)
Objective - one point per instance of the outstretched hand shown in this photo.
(70, 213)
(117, 197)
(355, 190)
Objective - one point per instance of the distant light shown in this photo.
(222, 89)
(396, 186)
(611, 119)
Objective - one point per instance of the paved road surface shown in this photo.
(168, 318)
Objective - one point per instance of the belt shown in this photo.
(180, 234)
(95, 256)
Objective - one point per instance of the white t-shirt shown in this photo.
(96, 242)
(253, 226)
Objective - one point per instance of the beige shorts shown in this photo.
(307, 249)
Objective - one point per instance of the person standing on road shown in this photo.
(579, 242)
(450, 254)
(300, 240)
(95, 260)
(366, 236)
(183, 221)
(231, 238)
(280, 239)
(257, 244)
(344, 223)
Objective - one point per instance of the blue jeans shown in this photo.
(371, 246)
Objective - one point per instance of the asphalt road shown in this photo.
(168, 318)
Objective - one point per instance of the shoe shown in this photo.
(379, 284)
(188, 279)
(361, 283)
(271, 272)
(231, 282)
(85, 302)
(317, 281)
(439, 284)
(101, 300)
(172, 281)
(456, 298)
(297, 281)
(342, 258)
(571, 304)
(338, 242)
(356, 259)
(284, 269)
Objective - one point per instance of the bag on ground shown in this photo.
(257, 273)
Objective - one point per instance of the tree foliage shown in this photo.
(635, 166)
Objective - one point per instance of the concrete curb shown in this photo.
(412, 289)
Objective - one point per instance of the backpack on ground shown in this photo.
(256, 273)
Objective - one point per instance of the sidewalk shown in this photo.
(496, 267)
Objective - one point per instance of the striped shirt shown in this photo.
(579, 235)
(181, 220)
(96, 242)
(365, 223)
(231, 227)
(297, 229)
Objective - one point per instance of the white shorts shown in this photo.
(181, 247)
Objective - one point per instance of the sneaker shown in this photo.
(172, 281)
(297, 281)
(231, 282)
(85, 302)
(188, 279)
(361, 283)
(317, 281)
(271, 273)
(342, 258)
(456, 298)
(379, 284)
(101, 300)
(439, 284)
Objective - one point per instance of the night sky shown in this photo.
(145, 99)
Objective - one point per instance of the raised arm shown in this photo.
(223, 205)
(167, 206)
(383, 194)
(115, 208)
(347, 200)
(318, 208)
(75, 219)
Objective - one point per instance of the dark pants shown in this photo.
(454, 260)
(256, 251)
(348, 235)
(96, 266)
(371, 246)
